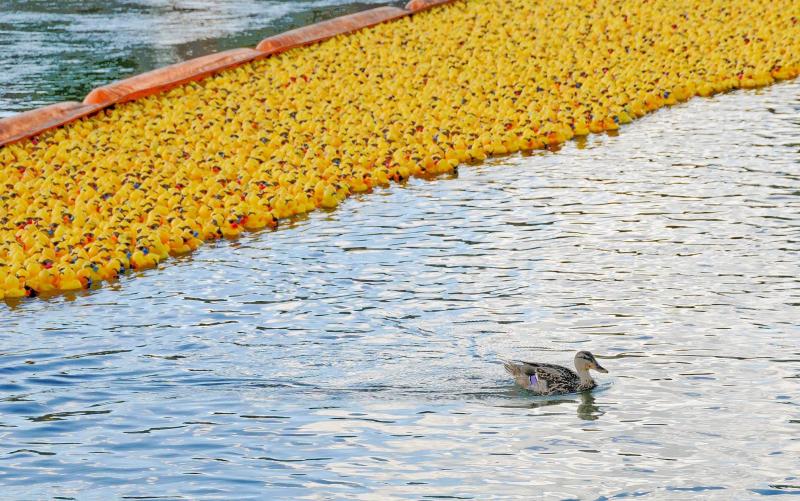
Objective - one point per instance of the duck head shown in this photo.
(585, 361)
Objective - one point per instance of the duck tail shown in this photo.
(512, 368)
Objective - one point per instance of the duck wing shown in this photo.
(558, 379)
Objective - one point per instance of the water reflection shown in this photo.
(354, 353)
(587, 410)
(583, 402)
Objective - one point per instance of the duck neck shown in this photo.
(583, 374)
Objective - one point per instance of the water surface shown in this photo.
(355, 354)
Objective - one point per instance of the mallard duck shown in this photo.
(550, 379)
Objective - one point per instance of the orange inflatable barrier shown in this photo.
(163, 79)
(419, 5)
(329, 29)
(39, 120)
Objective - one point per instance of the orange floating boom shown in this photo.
(163, 79)
(420, 5)
(329, 29)
(33, 122)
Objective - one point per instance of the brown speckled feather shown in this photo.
(551, 379)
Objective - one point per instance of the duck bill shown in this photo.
(600, 368)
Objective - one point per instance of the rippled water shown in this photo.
(52, 51)
(355, 354)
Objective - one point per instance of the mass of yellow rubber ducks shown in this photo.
(156, 177)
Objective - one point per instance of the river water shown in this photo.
(355, 354)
